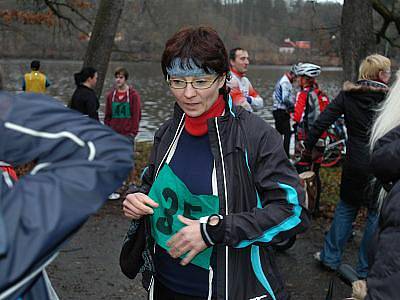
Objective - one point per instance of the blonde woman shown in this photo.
(358, 103)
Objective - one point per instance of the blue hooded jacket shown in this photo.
(78, 163)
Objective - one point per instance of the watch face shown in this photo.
(213, 221)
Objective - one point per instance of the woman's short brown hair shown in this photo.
(202, 45)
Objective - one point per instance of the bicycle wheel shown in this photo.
(334, 154)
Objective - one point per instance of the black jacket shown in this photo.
(84, 100)
(79, 162)
(251, 225)
(358, 103)
(384, 275)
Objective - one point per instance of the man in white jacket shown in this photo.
(242, 92)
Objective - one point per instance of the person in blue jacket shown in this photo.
(78, 163)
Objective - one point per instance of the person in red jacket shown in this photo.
(122, 111)
(310, 102)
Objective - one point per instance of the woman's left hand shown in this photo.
(188, 239)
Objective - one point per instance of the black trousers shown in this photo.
(161, 292)
(282, 124)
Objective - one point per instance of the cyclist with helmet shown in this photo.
(283, 104)
(310, 102)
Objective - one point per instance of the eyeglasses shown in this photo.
(200, 84)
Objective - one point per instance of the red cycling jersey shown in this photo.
(310, 102)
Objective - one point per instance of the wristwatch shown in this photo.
(210, 224)
(211, 220)
(214, 220)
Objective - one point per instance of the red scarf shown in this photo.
(237, 73)
(198, 126)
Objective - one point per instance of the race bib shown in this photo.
(175, 199)
(120, 110)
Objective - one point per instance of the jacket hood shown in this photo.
(365, 86)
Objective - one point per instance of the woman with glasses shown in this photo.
(218, 190)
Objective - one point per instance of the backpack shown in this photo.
(316, 103)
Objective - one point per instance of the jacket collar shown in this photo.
(225, 122)
(237, 73)
(365, 86)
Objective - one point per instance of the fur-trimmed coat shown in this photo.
(358, 103)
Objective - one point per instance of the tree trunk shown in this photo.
(357, 36)
(101, 42)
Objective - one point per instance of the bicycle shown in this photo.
(335, 144)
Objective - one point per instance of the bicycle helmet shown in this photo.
(294, 68)
(308, 69)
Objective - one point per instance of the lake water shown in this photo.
(147, 79)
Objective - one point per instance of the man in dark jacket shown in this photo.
(78, 163)
(358, 102)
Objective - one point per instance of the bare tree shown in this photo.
(357, 40)
(389, 15)
(101, 42)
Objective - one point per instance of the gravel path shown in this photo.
(87, 267)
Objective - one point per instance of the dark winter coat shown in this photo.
(358, 103)
(249, 159)
(84, 100)
(384, 275)
(79, 162)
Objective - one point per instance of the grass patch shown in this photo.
(330, 179)
(142, 156)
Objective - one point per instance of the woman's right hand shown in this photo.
(138, 205)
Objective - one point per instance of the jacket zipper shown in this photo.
(226, 206)
(151, 286)
(170, 146)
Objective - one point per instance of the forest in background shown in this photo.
(31, 29)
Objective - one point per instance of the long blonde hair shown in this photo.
(388, 117)
(388, 114)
